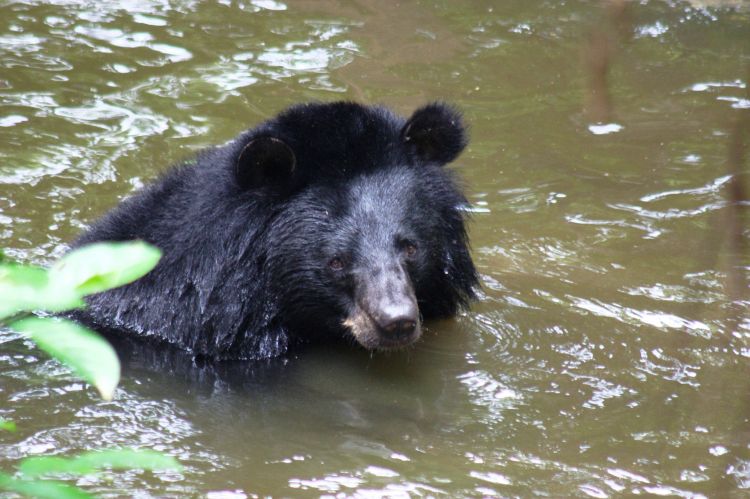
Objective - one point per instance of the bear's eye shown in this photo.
(336, 263)
(410, 250)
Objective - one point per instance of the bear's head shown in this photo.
(365, 236)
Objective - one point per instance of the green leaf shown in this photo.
(102, 266)
(90, 462)
(131, 459)
(35, 466)
(89, 355)
(25, 287)
(87, 270)
(7, 425)
(41, 489)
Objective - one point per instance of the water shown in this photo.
(604, 356)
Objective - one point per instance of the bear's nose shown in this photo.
(398, 321)
(401, 328)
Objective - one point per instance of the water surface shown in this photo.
(604, 356)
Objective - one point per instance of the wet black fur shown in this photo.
(248, 230)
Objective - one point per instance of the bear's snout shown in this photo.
(397, 321)
(386, 314)
(399, 333)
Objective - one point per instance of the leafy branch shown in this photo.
(26, 289)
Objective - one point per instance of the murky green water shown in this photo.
(604, 357)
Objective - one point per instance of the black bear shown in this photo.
(331, 220)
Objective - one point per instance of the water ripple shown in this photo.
(670, 212)
(658, 363)
(714, 187)
(654, 318)
(490, 394)
(677, 293)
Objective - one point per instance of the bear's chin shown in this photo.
(366, 332)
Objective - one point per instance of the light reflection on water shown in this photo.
(601, 358)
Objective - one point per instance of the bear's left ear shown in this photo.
(265, 161)
(435, 133)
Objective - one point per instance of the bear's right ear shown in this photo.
(265, 161)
